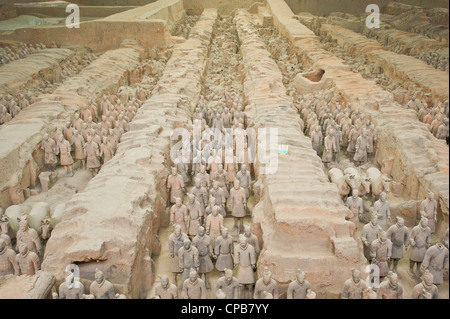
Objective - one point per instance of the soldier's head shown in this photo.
(237, 184)
(215, 210)
(393, 278)
(243, 168)
(266, 275)
(430, 195)
(201, 231)
(177, 229)
(216, 185)
(187, 244)
(427, 278)
(99, 277)
(242, 240)
(364, 133)
(224, 232)
(424, 222)
(193, 275)
(228, 275)
(203, 169)
(374, 219)
(382, 235)
(178, 201)
(23, 222)
(23, 249)
(400, 221)
(300, 275)
(174, 171)
(191, 198)
(355, 193)
(383, 196)
(212, 201)
(45, 136)
(247, 230)
(356, 275)
(164, 281)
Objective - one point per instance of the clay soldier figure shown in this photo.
(435, 260)
(214, 223)
(228, 284)
(182, 166)
(71, 288)
(27, 261)
(188, 258)
(175, 185)
(179, 215)
(102, 288)
(204, 177)
(426, 289)
(219, 195)
(316, 140)
(49, 147)
(337, 142)
(371, 140)
(398, 234)
(203, 244)
(194, 287)
(380, 251)
(65, 158)
(92, 154)
(354, 287)
(195, 215)
(244, 256)
(443, 131)
(106, 150)
(328, 149)
(383, 209)
(369, 234)
(166, 290)
(390, 288)
(220, 176)
(238, 203)
(243, 176)
(355, 204)
(251, 239)
(209, 208)
(176, 240)
(8, 263)
(361, 149)
(352, 138)
(28, 236)
(419, 240)
(78, 143)
(298, 288)
(429, 206)
(223, 251)
(201, 195)
(266, 284)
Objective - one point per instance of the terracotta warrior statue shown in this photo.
(8, 263)
(252, 239)
(102, 288)
(92, 154)
(298, 288)
(398, 234)
(361, 149)
(355, 204)
(203, 244)
(436, 261)
(201, 194)
(266, 284)
(369, 234)
(176, 240)
(78, 144)
(65, 158)
(238, 203)
(390, 288)
(383, 208)
(420, 240)
(214, 223)
(175, 185)
(179, 215)
(354, 287)
(429, 207)
(245, 258)
(228, 284)
(380, 251)
(328, 149)
(195, 215)
(71, 288)
(28, 261)
(194, 287)
(243, 176)
(166, 290)
(49, 147)
(316, 140)
(28, 236)
(426, 289)
(223, 251)
(188, 258)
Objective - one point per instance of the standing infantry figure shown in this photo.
(102, 288)
(419, 240)
(214, 223)
(195, 215)
(176, 240)
(49, 147)
(228, 284)
(251, 239)
(8, 263)
(65, 158)
(78, 144)
(390, 288)
(71, 288)
(426, 289)
(355, 204)
(398, 234)
(316, 140)
(361, 149)
(27, 261)
(429, 207)
(194, 287)
(175, 185)
(243, 176)
(328, 149)
(298, 288)
(238, 202)
(354, 287)
(369, 234)
(200, 194)
(380, 251)
(435, 261)
(166, 290)
(28, 236)
(383, 209)
(179, 215)
(244, 256)
(92, 154)
(188, 258)
(203, 244)
(266, 284)
(223, 250)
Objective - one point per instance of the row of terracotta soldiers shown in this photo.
(436, 118)
(29, 248)
(9, 54)
(11, 105)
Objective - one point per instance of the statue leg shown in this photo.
(235, 223)
(395, 264)
(250, 292)
(175, 278)
(241, 291)
(419, 272)
(241, 225)
(208, 286)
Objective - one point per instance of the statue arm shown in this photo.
(36, 262)
(17, 271)
(14, 263)
(406, 238)
(275, 292)
(181, 259)
(290, 290)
